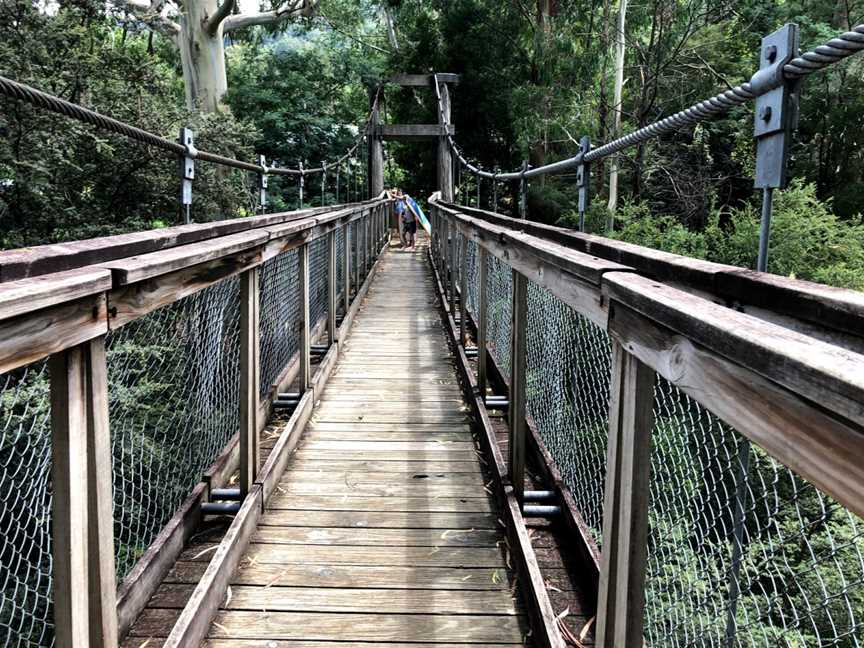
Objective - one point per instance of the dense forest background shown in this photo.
(536, 77)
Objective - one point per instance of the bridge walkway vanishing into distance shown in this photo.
(260, 431)
(381, 528)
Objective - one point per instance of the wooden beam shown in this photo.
(445, 157)
(828, 375)
(423, 80)
(332, 288)
(620, 604)
(33, 336)
(813, 443)
(414, 132)
(249, 378)
(102, 583)
(482, 317)
(30, 295)
(305, 324)
(69, 532)
(516, 411)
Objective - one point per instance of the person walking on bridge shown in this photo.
(405, 220)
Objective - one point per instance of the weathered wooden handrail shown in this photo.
(796, 392)
(60, 301)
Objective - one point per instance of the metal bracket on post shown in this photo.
(523, 192)
(323, 183)
(187, 171)
(495, 190)
(262, 183)
(583, 179)
(777, 109)
(302, 180)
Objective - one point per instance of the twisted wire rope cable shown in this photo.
(46, 101)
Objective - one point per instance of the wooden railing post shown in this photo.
(463, 290)
(346, 275)
(452, 267)
(85, 611)
(305, 370)
(621, 599)
(517, 386)
(249, 378)
(482, 305)
(331, 287)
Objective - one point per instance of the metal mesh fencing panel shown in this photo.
(471, 272)
(317, 279)
(25, 507)
(279, 337)
(340, 267)
(568, 365)
(499, 307)
(796, 578)
(174, 387)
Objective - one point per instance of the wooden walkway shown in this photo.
(382, 530)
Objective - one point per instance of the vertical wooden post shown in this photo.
(332, 288)
(482, 306)
(454, 260)
(375, 173)
(100, 506)
(305, 370)
(249, 378)
(445, 160)
(463, 289)
(346, 276)
(621, 601)
(82, 526)
(357, 240)
(517, 386)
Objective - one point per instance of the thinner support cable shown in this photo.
(833, 51)
(47, 101)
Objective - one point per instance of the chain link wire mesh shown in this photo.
(279, 338)
(568, 367)
(795, 579)
(318, 272)
(174, 388)
(25, 507)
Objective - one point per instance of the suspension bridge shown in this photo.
(283, 430)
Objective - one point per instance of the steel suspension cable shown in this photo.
(46, 101)
(821, 57)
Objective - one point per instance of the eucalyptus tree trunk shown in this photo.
(616, 102)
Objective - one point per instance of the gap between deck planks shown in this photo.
(381, 529)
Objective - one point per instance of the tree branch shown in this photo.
(295, 8)
(356, 39)
(151, 14)
(221, 14)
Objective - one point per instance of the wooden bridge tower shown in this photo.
(379, 132)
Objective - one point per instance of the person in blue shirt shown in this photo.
(406, 220)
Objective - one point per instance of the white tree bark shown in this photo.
(616, 101)
(198, 29)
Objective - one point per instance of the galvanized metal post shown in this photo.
(305, 367)
(337, 184)
(583, 178)
(516, 472)
(187, 172)
(262, 184)
(482, 305)
(523, 192)
(495, 191)
(323, 183)
(302, 180)
(479, 180)
(356, 238)
(776, 116)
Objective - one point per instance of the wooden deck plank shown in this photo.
(352, 576)
(381, 531)
(351, 600)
